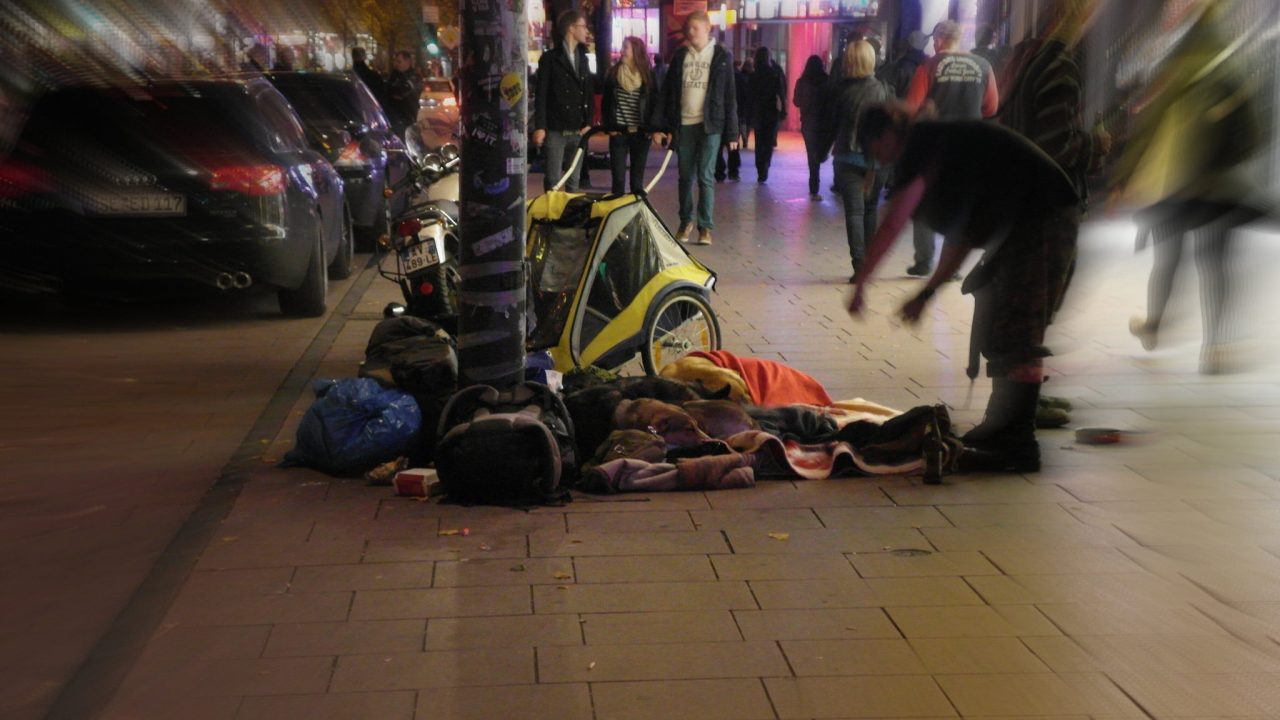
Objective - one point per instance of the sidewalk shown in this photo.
(1137, 580)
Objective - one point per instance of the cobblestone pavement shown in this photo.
(1135, 580)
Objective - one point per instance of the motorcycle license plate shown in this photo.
(142, 204)
(423, 255)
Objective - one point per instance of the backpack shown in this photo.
(418, 357)
(512, 447)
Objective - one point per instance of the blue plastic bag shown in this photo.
(354, 425)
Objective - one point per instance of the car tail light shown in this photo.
(409, 228)
(19, 179)
(351, 155)
(249, 179)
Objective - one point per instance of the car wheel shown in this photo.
(682, 323)
(367, 235)
(340, 268)
(309, 299)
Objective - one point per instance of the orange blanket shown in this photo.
(771, 384)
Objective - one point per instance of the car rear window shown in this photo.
(321, 101)
(439, 86)
(175, 120)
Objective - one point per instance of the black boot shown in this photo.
(1005, 441)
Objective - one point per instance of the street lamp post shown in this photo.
(493, 78)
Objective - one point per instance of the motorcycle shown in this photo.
(424, 238)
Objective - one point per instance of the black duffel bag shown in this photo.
(512, 447)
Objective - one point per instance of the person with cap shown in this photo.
(957, 86)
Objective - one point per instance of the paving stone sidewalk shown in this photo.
(1137, 580)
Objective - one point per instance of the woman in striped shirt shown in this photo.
(628, 97)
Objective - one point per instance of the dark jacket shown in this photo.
(403, 91)
(371, 80)
(564, 96)
(609, 103)
(741, 82)
(720, 115)
(810, 97)
(769, 93)
(899, 73)
(848, 101)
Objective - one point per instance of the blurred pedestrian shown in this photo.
(810, 97)
(984, 186)
(1185, 165)
(746, 107)
(659, 70)
(285, 60)
(629, 95)
(857, 176)
(768, 90)
(1044, 102)
(955, 85)
(698, 106)
(257, 59)
(985, 46)
(404, 88)
(910, 56)
(368, 75)
(731, 168)
(563, 107)
(1045, 98)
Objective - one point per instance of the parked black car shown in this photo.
(345, 123)
(207, 180)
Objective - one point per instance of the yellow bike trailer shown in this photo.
(607, 281)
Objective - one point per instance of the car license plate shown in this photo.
(416, 257)
(152, 204)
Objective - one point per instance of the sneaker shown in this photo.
(815, 197)
(704, 236)
(919, 271)
(1146, 334)
(1058, 402)
(1048, 416)
(685, 231)
(734, 178)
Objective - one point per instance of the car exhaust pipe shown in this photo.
(224, 281)
(242, 280)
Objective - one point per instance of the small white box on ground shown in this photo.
(418, 482)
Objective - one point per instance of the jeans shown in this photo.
(924, 239)
(620, 146)
(697, 150)
(813, 148)
(558, 149)
(859, 208)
